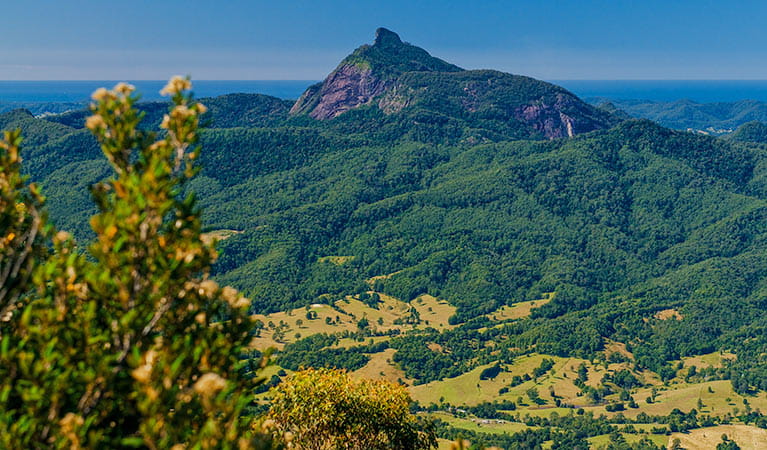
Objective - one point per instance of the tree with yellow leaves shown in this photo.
(329, 409)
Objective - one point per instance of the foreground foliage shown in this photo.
(132, 345)
(328, 409)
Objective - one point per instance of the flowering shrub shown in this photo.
(132, 345)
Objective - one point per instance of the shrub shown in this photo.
(327, 408)
(131, 345)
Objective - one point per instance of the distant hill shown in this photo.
(41, 108)
(226, 111)
(750, 132)
(712, 118)
(393, 78)
(38, 131)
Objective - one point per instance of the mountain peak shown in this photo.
(366, 73)
(386, 38)
(393, 75)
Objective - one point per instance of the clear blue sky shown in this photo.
(241, 39)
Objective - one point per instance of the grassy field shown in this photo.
(603, 440)
(389, 314)
(381, 366)
(518, 310)
(468, 389)
(719, 400)
(715, 359)
(433, 311)
(481, 425)
(715, 398)
(747, 437)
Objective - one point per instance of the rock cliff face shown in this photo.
(366, 74)
(349, 86)
(551, 120)
(397, 77)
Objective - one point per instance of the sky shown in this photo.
(304, 40)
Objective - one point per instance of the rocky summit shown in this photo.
(396, 77)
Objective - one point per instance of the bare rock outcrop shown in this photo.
(348, 87)
(564, 118)
(399, 78)
(365, 74)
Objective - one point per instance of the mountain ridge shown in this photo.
(392, 76)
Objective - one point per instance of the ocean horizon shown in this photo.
(702, 91)
(80, 91)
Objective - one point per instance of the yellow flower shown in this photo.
(181, 112)
(95, 123)
(143, 372)
(124, 88)
(176, 85)
(152, 393)
(208, 288)
(100, 94)
(110, 231)
(70, 425)
(234, 298)
(230, 294)
(201, 109)
(61, 236)
(241, 302)
(209, 384)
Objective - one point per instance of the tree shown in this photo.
(534, 397)
(132, 345)
(570, 441)
(326, 408)
(727, 444)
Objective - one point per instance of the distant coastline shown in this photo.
(80, 91)
(701, 91)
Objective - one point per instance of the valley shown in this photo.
(451, 400)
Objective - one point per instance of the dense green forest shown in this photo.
(621, 223)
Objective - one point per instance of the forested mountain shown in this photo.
(713, 118)
(425, 186)
(392, 78)
(754, 131)
(41, 108)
